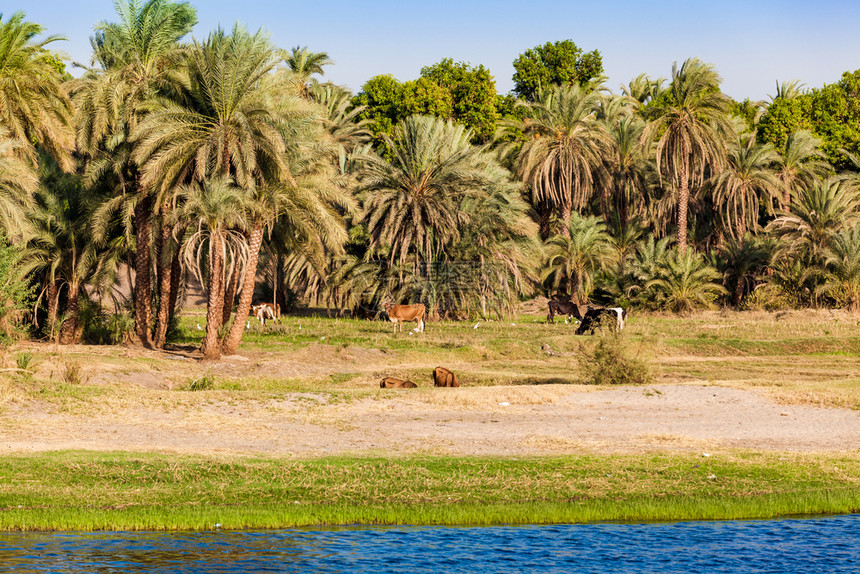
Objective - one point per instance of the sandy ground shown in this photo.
(521, 420)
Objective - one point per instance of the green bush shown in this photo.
(16, 293)
(611, 362)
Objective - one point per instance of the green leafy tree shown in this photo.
(472, 93)
(554, 63)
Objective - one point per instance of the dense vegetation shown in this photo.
(229, 159)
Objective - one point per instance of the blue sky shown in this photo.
(752, 43)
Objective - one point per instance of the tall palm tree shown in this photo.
(214, 208)
(412, 202)
(690, 125)
(745, 178)
(564, 147)
(139, 59)
(801, 162)
(33, 105)
(626, 169)
(243, 119)
(573, 258)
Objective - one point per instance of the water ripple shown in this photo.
(830, 544)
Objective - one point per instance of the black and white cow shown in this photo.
(594, 317)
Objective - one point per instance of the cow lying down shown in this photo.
(392, 383)
(611, 317)
(442, 377)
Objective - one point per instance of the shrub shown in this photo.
(72, 373)
(205, 383)
(610, 362)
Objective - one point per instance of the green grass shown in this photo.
(86, 491)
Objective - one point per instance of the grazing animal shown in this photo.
(400, 313)
(392, 383)
(266, 311)
(442, 377)
(566, 308)
(611, 316)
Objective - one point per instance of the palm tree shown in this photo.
(842, 261)
(747, 176)
(742, 263)
(801, 163)
(643, 89)
(139, 59)
(243, 119)
(685, 282)
(214, 209)
(817, 213)
(564, 147)
(626, 169)
(306, 63)
(690, 123)
(18, 181)
(60, 246)
(573, 258)
(788, 90)
(33, 105)
(412, 203)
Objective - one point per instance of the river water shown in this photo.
(809, 545)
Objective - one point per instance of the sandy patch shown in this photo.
(506, 421)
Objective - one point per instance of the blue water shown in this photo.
(830, 544)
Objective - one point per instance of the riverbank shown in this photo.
(122, 491)
(119, 437)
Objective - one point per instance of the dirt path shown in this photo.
(521, 420)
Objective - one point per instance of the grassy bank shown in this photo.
(98, 491)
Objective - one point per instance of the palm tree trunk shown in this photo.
(53, 296)
(683, 203)
(142, 284)
(165, 270)
(234, 337)
(69, 332)
(544, 213)
(739, 291)
(230, 294)
(215, 304)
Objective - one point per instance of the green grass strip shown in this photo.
(120, 491)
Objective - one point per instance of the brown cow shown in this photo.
(266, 311)
(392, 383)
(568, 308)
(400, 313)
(442, 377)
